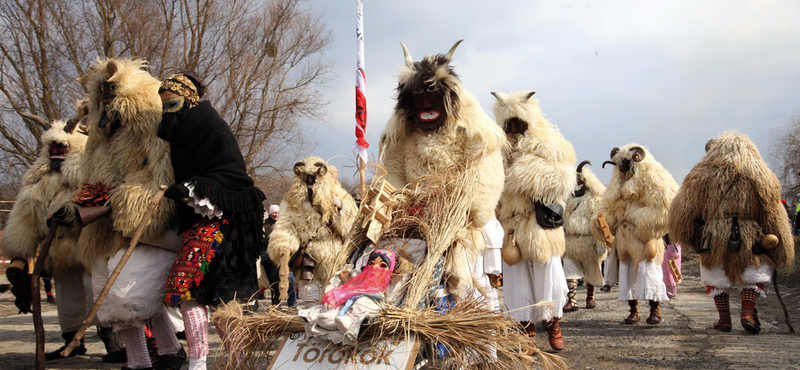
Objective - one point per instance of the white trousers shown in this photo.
(529, 282)
(644, 283)
(752, 275)
(138, 292)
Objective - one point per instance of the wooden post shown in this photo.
(38, 324)
(362, 174)
(111, 278)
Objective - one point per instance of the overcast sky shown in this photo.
(669, 75)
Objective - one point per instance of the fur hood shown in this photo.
(464, 113)
(124, 152)
(538, 162)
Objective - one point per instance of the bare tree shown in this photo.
(262, 62)
(786, 154)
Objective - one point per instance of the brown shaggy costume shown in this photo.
(731, 180)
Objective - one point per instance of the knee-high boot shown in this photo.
(655, 313)
(572, 301)
(749, 314)
(722, 301)
(634, 316)
(590, 296)
(554, 334)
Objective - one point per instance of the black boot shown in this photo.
(115, 350)
(79, 350)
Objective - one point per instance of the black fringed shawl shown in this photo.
(205, 154)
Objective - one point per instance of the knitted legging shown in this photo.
(136, 346)
(195, 319)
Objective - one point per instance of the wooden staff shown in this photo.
(780, 299)
(38, 324)
(111, 278)
(283, 273)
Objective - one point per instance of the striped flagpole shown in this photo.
(360, 149)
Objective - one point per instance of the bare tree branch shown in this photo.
(261, 60)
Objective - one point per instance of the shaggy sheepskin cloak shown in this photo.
(731, 181)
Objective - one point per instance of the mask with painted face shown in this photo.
(429, 112)
(174, 110)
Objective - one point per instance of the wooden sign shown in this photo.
(609, 238)
(673, 268)
(297, 352)
(374, 208)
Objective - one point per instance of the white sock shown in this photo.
(197, 363)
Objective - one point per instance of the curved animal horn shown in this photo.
(322, 170)
(296, 168)
(527, 97)
(70, 126)
(638, 153)
(37, 120)
(614, 152)
(452, 51)
(708, 145)
(499, 98)
(407, 55)
(580, 165)
(607, 162)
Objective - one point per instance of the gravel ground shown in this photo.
(595, 339)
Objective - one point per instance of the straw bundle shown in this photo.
(472, 336)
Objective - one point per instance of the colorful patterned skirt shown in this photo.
(200, 244)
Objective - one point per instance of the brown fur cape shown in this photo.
(732, 180)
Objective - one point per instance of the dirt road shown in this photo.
(595, 339)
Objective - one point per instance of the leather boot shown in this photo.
(554, 334)
(655, 313)
(749, 314)
(590, 296)
(115, 349)
(634, 316)
(722, 301)
(530, 329)
(572, 302)
(79, 350)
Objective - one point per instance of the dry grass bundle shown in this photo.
(251, 337)
(472, 336)
(447, 198)
(434, 208)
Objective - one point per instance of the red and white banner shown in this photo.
(360, 149)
